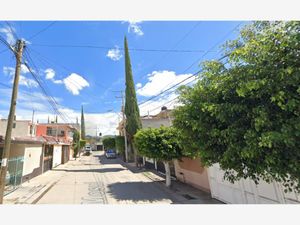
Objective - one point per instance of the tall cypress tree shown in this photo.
(82, 135)
(133, 122)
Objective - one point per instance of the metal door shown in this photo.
(13, 174)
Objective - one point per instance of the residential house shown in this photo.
(21, 128)
(59, 137)
(26, 152)
(186, 170)
(163, 118)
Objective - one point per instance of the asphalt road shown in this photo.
(97, 180)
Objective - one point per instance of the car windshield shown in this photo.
(110, 151)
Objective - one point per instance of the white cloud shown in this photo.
(159, 81)
(10, 71)
(24, 69)
(58, 82)
(27, 82)
(135, 28)
(106, 122)
(74, 83)
(154, 106)
(50, 73)
(114, 54)
(138, 85)
(9, 35)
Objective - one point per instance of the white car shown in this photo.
(88, 149)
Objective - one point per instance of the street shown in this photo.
(97, 180)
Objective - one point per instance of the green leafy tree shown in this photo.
(109, 143)
(120, 145)
(245, 114)
(161, 144)
(76, 144)
(82, 125)
(133, 122)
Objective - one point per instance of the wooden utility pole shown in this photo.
(7, 141)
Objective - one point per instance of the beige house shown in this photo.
(25, 160)
(21, 128)
(186, 170)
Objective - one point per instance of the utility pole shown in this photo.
(124, 127)
(12, 110)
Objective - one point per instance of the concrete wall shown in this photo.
(191, 171)
(16, 150)
(33, 157)
(57, 152)
(22, 128)
(245, 191)
(155, 123)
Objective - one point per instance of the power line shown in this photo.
(12, 30)
(175, 45)
(41, 31)
(194, 74)
(49, 98)
(215, 45)
(224, 37)
(110, 47)
(6, 44)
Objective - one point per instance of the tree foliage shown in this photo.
(120, 144)
(82, 143)
(158, 143)
(109, 143)
(244, 114)
(133, 122)
(76, 144)
(82, 125)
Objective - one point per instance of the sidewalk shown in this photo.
(183, 193)
(31, 191)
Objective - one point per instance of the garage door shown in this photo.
(246, 191)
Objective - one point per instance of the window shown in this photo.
(14, 125)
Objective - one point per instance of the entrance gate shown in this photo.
(13, 174)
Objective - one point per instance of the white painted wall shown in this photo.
(57, 151)
(32, 157)
(246, 191)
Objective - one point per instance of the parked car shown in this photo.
(88, 150)
(110, 153)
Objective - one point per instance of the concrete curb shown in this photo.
(43, 193)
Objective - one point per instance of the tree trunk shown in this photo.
(168, 173)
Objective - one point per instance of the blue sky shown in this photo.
(91, 76)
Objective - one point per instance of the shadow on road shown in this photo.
(103, 170)
(138, 191)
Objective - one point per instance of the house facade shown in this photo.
(21, 128)
(60, 138)
(25, 160)
(186, 170)
(35, 148)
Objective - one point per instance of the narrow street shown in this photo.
(97, 180)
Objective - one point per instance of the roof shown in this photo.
(35, 140)
(25, 140)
